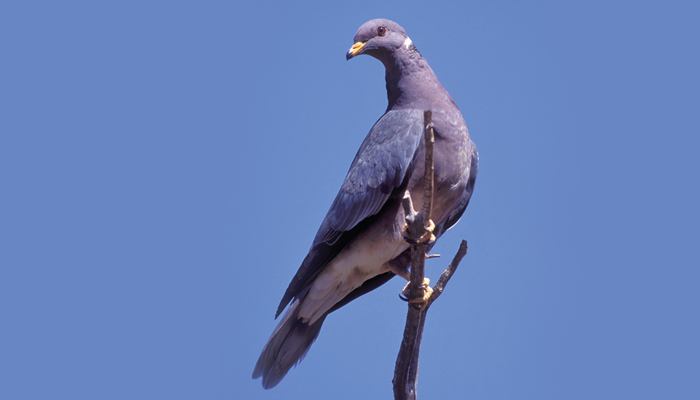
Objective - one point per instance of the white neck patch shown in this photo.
(407, 43)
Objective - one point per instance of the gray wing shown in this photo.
(380, 169)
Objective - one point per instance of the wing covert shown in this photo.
(380, 167)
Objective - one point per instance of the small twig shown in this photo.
(406, 368)
(447, 273)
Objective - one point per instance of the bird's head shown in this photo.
(381, 39)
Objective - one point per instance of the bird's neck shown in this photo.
(409, 81)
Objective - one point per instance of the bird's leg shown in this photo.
(406, 291)
(414, 233)
(400, 269)
(416, 229)
(427, 292)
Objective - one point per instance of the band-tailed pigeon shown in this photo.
(359, 245)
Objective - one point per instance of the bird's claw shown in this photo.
(427, 292)
(427, 236)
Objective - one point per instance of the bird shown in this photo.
(360, 243)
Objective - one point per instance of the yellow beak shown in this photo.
(355, 49)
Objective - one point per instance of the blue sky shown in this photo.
(164, 167)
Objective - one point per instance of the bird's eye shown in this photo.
(381, 31)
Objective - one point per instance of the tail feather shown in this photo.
(288, 344)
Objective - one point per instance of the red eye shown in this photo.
(381, 31)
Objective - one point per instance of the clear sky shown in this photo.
(164, 167)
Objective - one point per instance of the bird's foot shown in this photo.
(428, 236)
(427, 292)
(424, 236)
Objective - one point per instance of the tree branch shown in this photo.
(417, 233)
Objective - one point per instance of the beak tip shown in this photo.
(355, 50)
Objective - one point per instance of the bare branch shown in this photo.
(429, 177)
(406, 368)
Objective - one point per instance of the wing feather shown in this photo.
(380, 168)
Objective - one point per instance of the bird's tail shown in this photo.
(288, 344)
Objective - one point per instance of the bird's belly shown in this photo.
(362, 259)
